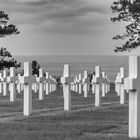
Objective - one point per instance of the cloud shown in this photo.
(56, 15)
(60, 26)
(32, 2)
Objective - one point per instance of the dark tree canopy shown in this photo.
(128, 11)
(5, 29)
(35, 68)
(6, 60)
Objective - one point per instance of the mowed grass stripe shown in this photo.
(50, 121)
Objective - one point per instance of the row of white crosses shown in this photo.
(83, 84)
(100, 82)
(27, 82)
(119, 85)
(132, 84)
(12, 79)
(80, 84)
(47, 84)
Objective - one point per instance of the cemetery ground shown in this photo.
(50, 122)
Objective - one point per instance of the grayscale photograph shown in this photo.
(69, 69)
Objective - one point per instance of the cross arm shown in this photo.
(131, 83)
(98, 80)
(66, 80)
(27, 80)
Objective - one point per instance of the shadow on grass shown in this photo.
(83, 122)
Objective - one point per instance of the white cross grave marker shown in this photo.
(27, 80)
(66, 81)
(86, 82)
(121, 85)
(0, 82)
(40, 80)
(93, 84)
(47, 83)
(117, 84)
(80, 83)
(12, 80)
(98, 81)
(132, 83)
(4, 80)
(50, 88)
(19, 84)
(104, 84)
(76, 84)
(107, 85)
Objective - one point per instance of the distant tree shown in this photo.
(35, 68)
(90, 76)
(128, 11)
(58, 80)
(6, 59)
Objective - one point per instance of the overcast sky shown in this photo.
(61, 27)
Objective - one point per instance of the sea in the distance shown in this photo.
(79, 63)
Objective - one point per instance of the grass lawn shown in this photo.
(50, 122)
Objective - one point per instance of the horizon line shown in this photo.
(69, 55)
